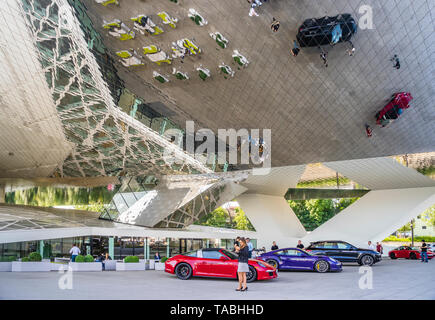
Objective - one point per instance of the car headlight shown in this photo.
(262, 265)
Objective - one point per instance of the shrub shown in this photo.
(163, 260)
(25, 259)
(131, 259)
(80, 258)
(8, 259)
(89, 258)
(35, 256)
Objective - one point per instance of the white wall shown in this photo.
(272, 218)
(375, 216)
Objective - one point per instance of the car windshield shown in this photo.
(306, 252)
(230, 254)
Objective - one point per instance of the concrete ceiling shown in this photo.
(316, 114)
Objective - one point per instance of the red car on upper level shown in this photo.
(215, 262)
(408, 253)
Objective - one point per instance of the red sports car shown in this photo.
(408, 253)
(215, 262)
(399, 101)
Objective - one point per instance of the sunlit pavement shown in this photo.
(400, 279)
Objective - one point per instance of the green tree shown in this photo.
(217, 218)
(241, 221)
(429, 216)
(313, 213)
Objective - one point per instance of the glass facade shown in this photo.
(123, 246)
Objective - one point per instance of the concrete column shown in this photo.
(167, 247)
(375, 216)
(41, 248)
(2, 193)
(112, 247)
(272, 218)
(147, 248)
(208, 243)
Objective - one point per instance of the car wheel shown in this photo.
(321, 266)
(393, 256)
(251, 275)
(183, 271)
(412, 256)
(367, 260)
(273, 263)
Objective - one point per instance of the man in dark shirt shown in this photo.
(300, 245)
(424, 252)
(274, 246)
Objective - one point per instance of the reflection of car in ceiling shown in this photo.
(326, 30)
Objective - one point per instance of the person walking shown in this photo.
(379, 248)
(371, 246)
(250, 246)
(275, 25)
(74, 251)
(350, 51)
(274, 246)
(300, 245)
(243, 266)
(423, 253)
(296, 48)
(369, 131)
(396, 61)
(324, 57)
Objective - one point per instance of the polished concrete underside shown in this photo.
(315, 113)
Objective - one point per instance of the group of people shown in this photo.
(75, 251)
(377, 248)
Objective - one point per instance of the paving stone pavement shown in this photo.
(399, 279)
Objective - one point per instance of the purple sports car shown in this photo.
(297, 259)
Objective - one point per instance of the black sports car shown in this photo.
(326, 30)
(344, 252)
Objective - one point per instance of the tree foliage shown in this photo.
(429, 216)
(50, 196)
(220, 218)
(313, 213)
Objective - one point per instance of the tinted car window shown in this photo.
(330, 245)
(342, 245)
(317, 245)
(292, 253)
(190, 254)
(211, 254)
(230, 254)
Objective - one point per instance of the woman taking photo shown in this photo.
(243, 267)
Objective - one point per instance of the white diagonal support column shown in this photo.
(272, 217)
(375, 216)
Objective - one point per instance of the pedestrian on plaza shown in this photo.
(424, 251)
(369, 131)
(396, 61)
(371, 246)
(351, 51)
(296, 48)
(250, 246)
(275, 25)
(157, 257)
(300, 245)
(274, 246)
(243, 266)
(324, 57)
(74, 251)
(252, 11)
(379, 248)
